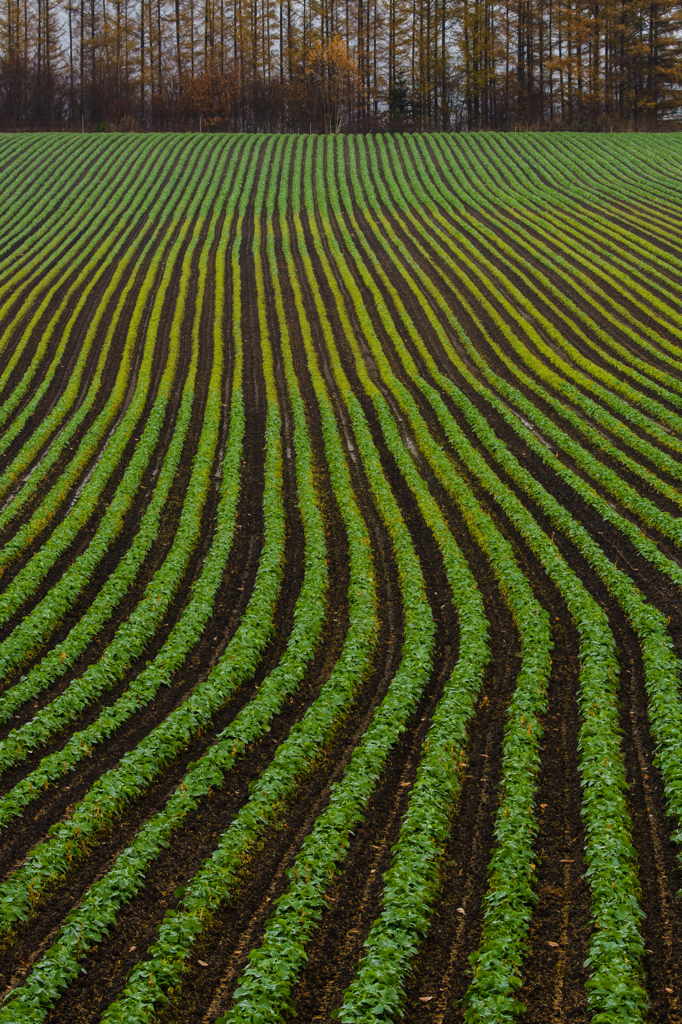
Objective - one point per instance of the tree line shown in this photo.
(292, 65)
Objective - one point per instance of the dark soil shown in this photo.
(553, 972)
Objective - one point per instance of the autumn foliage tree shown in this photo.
(333, 76)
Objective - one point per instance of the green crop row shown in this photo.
(534, 215)
(21, 262)
(133, 635)
(525, 239)
(446, 304)
(646, 509)
(30, 214)
(61, 658)
(154, 980)
(40, 623)
(65, 332)
(105, 239)
(512, 307)
(412, 881)
(88, 447)
(129, 263)
(113, 791)
(540, 251)
(179, 930)
(275, 965)
(565, 388)
(661, 667)
(667, 462)
(255, 718)
(97, 911)
(661, 677)
(617, 910)
(18, 158)
(513, 863)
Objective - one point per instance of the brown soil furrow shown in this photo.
(556, 770)
(137, 233)
(651, 830)
(651, 835)
(264, 872)
(140, 502)
(292, 575)
(230, 601)
(502, 226)
(355, 897)
(464, 317)
(441, 967)
(553, 972)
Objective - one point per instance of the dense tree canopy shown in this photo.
(332, 64)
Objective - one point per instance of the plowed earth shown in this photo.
(412, 239)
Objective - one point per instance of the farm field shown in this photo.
(340, 575)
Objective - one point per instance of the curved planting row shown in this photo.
(226, 363)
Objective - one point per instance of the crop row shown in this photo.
(422, 316)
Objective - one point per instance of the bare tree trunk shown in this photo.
(191, 40)
(142, 60)
(70, 11)
(82, 59)
(158, 30)
(92, 56)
